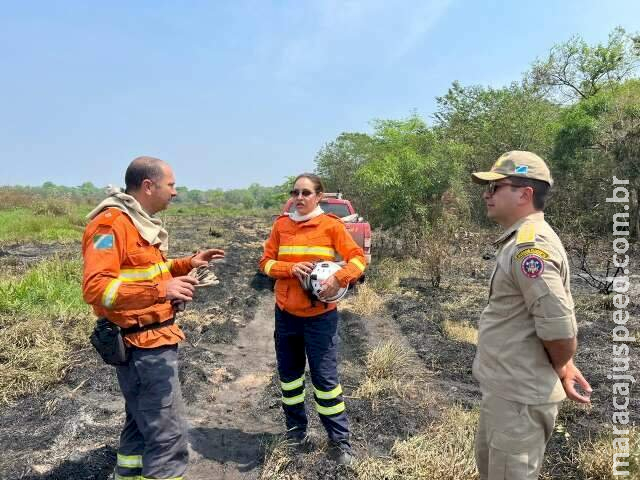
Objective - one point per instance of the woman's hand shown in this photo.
(329, 288)
(301, 270)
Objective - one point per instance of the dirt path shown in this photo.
(227, 438)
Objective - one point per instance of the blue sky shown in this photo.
(232, 93)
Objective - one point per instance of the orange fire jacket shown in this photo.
(125, 279)
(320, 238)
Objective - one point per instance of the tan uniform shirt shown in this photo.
(529, 301)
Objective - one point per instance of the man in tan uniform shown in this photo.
(527, 331)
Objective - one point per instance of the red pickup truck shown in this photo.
(356, 226)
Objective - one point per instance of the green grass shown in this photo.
(51, 288)
(23, 224)
(43, 319)
(28, 218)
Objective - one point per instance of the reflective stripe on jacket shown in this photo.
(125, 278)
(320, 238)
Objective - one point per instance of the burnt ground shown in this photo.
(71, 430)
(227, 369)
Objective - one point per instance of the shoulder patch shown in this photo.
(103, 241)
(532, 266)
(526, 234)
(531, 251)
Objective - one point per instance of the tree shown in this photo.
(239, 197)
(338, 161)
(266, 197)
(215, 196)
(409, 171)
(489, 122)
(574, 70)
(601, 135)
(182, 194)
(195, 196)
(493, 121)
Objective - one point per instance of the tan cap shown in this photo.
(516, 163)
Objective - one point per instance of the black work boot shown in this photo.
(341, 453)
(299, 441)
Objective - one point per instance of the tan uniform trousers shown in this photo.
(512, 437)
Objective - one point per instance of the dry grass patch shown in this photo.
(387, 360)
(460, 331)
(277, 460)
(444, 452)
(592, 306)
(595, 458)
(466, 298)
(366, 301)
(42, 320)
(384, 275)
(33, 355)
(390, 370)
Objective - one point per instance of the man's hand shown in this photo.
(181, 288)
(205, 256)
(573, 377)
(301, 270)
(329, 288)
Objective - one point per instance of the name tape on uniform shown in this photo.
(531, 251)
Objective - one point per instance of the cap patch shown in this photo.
(532, 266)
(504, 164)
(522, 169)
(531, 251)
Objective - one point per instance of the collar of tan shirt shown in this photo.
(536, 217)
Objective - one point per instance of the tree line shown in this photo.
(579, 109)
(253, 197)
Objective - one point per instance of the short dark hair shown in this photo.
(540, 189)
(141, 169)
(315, 179)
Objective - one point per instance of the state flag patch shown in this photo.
(103, 241)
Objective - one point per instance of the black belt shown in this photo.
(151, 326)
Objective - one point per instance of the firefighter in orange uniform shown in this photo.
(129, 281)
(307, 327)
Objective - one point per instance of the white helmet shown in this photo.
(321, 271)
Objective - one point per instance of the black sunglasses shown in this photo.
(305, 193)
(493, 186)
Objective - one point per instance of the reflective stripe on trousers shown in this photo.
(315, 339)
(153, 442)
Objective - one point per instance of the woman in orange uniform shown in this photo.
(307, 328)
